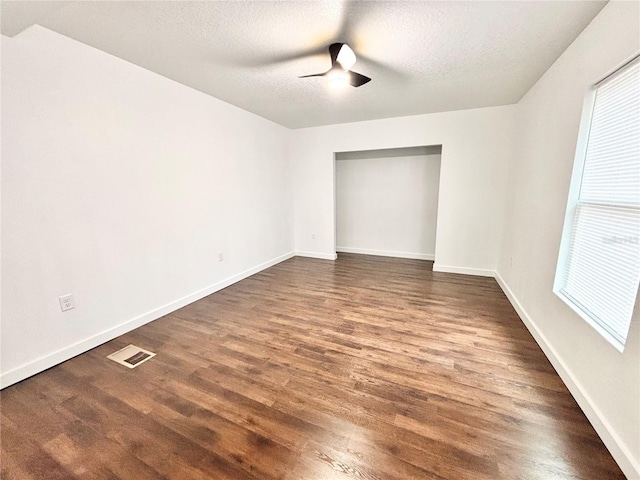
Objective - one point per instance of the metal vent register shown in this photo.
(131, 356)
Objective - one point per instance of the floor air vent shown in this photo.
(131, 356)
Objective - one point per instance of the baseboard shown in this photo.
(322, 256)
(52, 359)
(437, 267)
(613, 442)
(386, 253)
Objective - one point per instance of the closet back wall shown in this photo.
(387, 204)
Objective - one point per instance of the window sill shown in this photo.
(587, 318)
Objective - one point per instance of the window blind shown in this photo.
(612, 161)
(603, 259)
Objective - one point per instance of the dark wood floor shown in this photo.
(363, 368)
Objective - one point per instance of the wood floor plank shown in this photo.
(363, 368)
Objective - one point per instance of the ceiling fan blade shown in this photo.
(383, 67)
(258, 60)
(357, 80)
(334, 49)
(313, 75)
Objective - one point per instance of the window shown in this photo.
(599, 262)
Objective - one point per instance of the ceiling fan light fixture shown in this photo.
(340, 74)
(346, 58)
(338, 78)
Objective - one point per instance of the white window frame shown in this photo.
(572, 205)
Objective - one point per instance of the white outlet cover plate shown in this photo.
(66, 302)
(131, 356)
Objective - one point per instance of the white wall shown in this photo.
(119, 186)
(388, 205)
(476, 148)
(605, 382)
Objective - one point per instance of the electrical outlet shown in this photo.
(66, 302)
(313, 236)
(220, 256)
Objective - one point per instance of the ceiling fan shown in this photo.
(340, 74)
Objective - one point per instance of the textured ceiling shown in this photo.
(423, 56)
